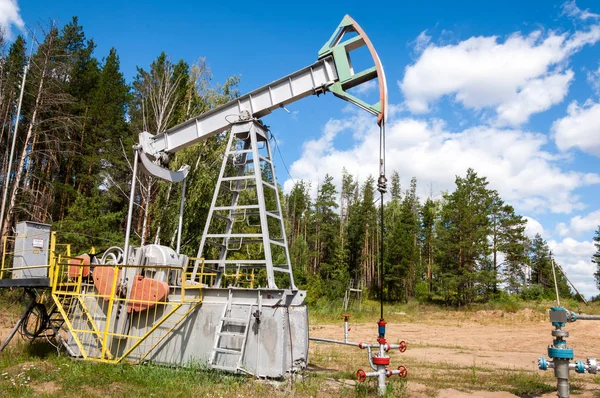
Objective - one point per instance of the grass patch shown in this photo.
(523, 384)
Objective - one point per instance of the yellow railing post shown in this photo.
(111, 300)
(52, 268)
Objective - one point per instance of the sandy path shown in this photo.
(484, 339)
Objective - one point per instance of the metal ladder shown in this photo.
(241, 197)
(223, 331)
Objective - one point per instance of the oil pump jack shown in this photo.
(152, 303)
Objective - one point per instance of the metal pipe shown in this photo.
(181, 215)
(130, 212)
(386, 346)
(371, 358)
(561, 371)
(346, 330)
(585, 317)
(12, 150)
(555, 284)
(382, 371)
(340, 342)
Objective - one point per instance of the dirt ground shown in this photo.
(442, 342)
(483, 340)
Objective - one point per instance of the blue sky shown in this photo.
(511, 89)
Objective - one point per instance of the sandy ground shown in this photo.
(485, 339)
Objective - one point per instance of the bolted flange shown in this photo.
(381, 361)
(542, 363)
(592, 365)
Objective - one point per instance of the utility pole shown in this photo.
(12, 150)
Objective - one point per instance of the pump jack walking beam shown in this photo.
(332, 72)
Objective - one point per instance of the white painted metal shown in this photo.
(311, 80)
(249, 176)
(130, 211)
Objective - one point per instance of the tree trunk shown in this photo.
(19, 171)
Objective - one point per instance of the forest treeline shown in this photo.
(72, 169)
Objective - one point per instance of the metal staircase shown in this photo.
(245, 231)
(230, 341)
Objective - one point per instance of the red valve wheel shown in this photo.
(361, 376)
(403, 371)
(402, 346)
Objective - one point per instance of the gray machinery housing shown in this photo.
(31, 250)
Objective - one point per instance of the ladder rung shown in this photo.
(276, 242)
(238, 178)
(264, 159)
(231, 334)
(241, 236)
(236, 207)
(279, 269)
(239, 151)
(240, 262)
(227, 351)
(271, 214)
(236, 321)
(269, 185)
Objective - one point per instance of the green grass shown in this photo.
(529, 384)
(36, 370)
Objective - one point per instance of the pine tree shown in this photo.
(326, 221)
(463, 234)
(428, 217)
(596, 257)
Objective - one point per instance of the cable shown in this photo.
(382, 188)
(39, 322)
(282, 161)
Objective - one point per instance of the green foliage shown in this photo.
(91, 222)
(596, 257)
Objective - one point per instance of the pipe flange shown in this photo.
(560, 333)
(592, 365)
(381, 361)
(562, 353)
(542, 363)
(579, 367)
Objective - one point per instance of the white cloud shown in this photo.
(10, 16)
(421, 42)
(579, 225)
(575, 258)
(570, 9)
(482, 72)
(536, 96)
(562, 229)
(593, 78)
(513, 160)
(580, 128)
(533, 227)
